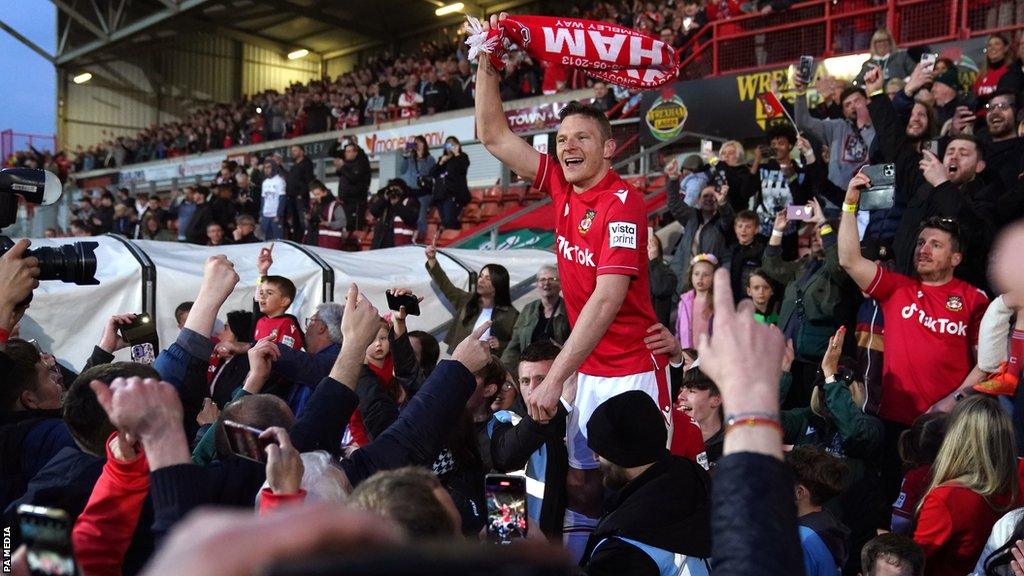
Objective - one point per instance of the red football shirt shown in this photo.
(687, 440)
(930, 335)
(288, 331)
(603, 230)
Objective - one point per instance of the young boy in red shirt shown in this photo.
(274, 294)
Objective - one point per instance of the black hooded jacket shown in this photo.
(835, 536)
(667, 507)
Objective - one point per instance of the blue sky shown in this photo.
(29, 99)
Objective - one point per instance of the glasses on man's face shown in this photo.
(998, 106)
(310, 321)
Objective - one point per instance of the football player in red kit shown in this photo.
(601, 245)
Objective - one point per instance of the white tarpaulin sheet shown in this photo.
(69, 319)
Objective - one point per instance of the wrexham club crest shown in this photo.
(587, 222)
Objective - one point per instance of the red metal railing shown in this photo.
(11, 142)
(827, 28)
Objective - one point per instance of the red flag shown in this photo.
(771, 105)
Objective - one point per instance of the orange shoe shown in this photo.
(999, 383)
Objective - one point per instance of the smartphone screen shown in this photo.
(47, 535)
(798, 212)
(245, 441)
(506, 508)
(143, 353)
(929, 61)
(805, 70)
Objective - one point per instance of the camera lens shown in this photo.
(72, 263)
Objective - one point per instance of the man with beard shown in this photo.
(950, 188)
(661, 513)
(931, 319)
(899, 141)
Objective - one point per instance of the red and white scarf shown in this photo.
(606, 51)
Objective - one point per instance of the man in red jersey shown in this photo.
(931, 323)
(601, 231)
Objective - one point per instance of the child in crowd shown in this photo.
(762, 293)
(917, 448)
(274, 295)
(695, 306)
(746, 254)
(819, 478)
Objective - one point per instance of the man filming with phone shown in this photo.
(949, 187)
(848, 138)
(931, 319)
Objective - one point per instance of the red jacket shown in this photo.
(687, 440)
(953, 525)
(104, 530)
(270, 501)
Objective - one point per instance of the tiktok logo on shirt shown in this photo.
(574, 253)
(937, 325)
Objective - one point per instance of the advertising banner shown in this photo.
(729, 107)
(393, 139)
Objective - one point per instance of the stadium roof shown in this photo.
(91, 31)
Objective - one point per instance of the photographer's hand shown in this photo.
(19, 276)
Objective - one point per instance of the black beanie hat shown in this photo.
(240, 322)
(628, 430)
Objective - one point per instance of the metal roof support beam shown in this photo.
(99, 15)
(247, 37)
(85, 22)
(64, 37)
(441, 23)
(31, 45)
(130, 30)
(315, 13)
(115, 20)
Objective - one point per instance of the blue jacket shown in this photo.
(411, 168)
(414, 439)
(305, 370)
(28, 440)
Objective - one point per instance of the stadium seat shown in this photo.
(489, 210)
(471, 213)
(492, 194)
(448, 236)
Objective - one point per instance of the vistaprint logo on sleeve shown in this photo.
(622, 235)
(574, 253)
(937, 325)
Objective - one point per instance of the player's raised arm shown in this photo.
(492, 126)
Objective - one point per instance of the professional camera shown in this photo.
(73, 263)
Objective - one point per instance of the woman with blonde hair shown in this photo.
(738, 173)
(895, 63)
(975, 480)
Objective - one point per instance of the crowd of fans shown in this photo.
(436, 78)
(266, 201)
(882, 345)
